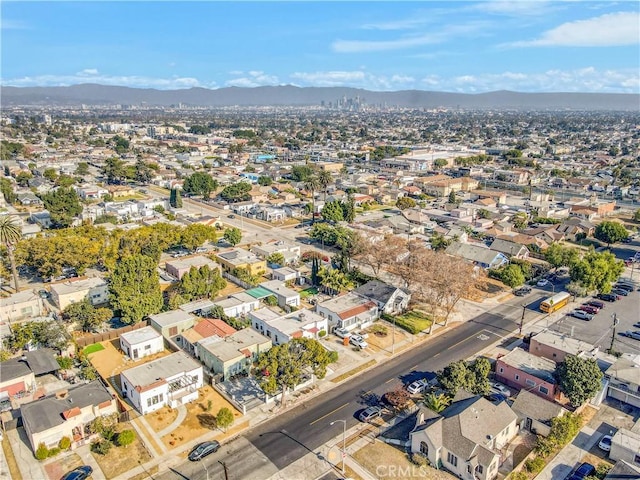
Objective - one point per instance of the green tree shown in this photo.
(439, 163)
(265, 180)
(65, 181)
(311, 183)
(119, 144)
(63, 205)
(405, 202)
(334, 281)
(23, 178)
(199, 129)
(7, 191)
(200, 183)
(142, 172)
(438, 242)
(520, 220)
(125, 438)
(82, 169)
(86, 316)
(579, 378)
(233, 235)
(135, 288)
(276, 258)
(195, 235)
(113, 170)
(236, 192)
(560, 256)
(436, 402)
(300, 173)
(636, 215)
(324, 180)
(453, 199)
(175, 199)
(472, 377)
(511, 275)
(50, 174)
(597, 271)
(610, 232)
(284, 366)
(332, 211)
(203, 282)
(224, 418)
(10, 235)
(349, 209)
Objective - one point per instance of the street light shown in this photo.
(344, 441)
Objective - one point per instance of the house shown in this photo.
(21, 305)
(523, 370)
(286, 296)
(282, 328)
(171, 323)
(76, 290)
(172, 380)
(41, 218)
(239, 258)
(208, 327)
(121, 191)
(67, 413)
(289, 251)
(624, 381)
(389, 299)
(556, 346)
(625, 445)
(481, 256)
(467, 438)
(285, 274)
(28, 199)
(623, 471)
(179, 267)
(349, 311)
(141, 342)
(238, 304)
(535, 413)
(234, 354)
(17, 376)
(510, 249)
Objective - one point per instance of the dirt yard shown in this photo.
(386, 461)
(162, 418)
(62, 464)
(384, 342)
(122, 459)
(110, 361)
(200, 419)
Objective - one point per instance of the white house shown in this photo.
(285, 295)
(75, 290)
(282, 328)
(625, 445)
(349, 311)
(21, 305)
(238, 304)
(389, 299)
(285, 274)
(141, 342)
(172, 380)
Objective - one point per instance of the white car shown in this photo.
(605, 443)
(582, 315)
(341, 332)
(501, 389)
(418, 386)
(543, 283)
(358, 341)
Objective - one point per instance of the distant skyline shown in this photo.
(453, 46)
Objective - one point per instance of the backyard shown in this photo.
(199, 421)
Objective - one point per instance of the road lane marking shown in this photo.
(330, 413)
(390, 380)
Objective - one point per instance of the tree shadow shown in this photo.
(207, 420)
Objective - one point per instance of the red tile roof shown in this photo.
(67, 414)
(352, 312)
(214, 326)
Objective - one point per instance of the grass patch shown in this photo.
(308, 292)
(96, 347)
(348, 374)
(122, 459)
(413, 322)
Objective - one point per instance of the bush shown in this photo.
(64, 443)
(322, 333)
(519, 476)
(126, 437)
(101, 447)
(534, 465)
(380, 330)
(42, 452)
(419, 459)
(65, 362)
(53, 452)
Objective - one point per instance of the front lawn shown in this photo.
(96, 347)
(413, 321)
(309, 292)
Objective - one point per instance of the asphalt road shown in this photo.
(288, 437)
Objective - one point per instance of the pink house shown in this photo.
(525, 371)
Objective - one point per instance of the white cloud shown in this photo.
(7, 24)
(612, 29)
(330, 79)
(93, 76)
(253, 78)
(514, 8)
(405, 24)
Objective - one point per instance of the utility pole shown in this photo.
(613, 333)
(344, 441)
(524, 309)
(226, 472)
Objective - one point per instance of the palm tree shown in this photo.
(437, 403)
(10, 234)
(324, 180)
(312, 184)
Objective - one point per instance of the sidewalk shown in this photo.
(570, 456)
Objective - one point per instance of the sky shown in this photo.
(452, 46)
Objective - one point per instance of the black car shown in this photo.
(583, 471)
(607, 297)
(521, 292)
(624, 286)
(80, 473)
(203, 449)
(620, 291)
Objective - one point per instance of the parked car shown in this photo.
(418, 386)
(637, 325)
(581, 314)
(43, 294)
(80, 473)
(635, 334)
(370, 413)
(589, 308)
(522, 291)
(496, 397)
(596, 303)
(583, 471)
(620, 291)
(608, 297)
(605, 443)
(358, 341)
(542, 283)
(341, 332)
(203, 449)
(499, 388)
(231, 216)
(625, 286)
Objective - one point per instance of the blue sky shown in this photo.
(455, 46)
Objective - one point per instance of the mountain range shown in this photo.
(93, 94)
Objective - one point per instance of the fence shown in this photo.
(237, 281)
(110, 335)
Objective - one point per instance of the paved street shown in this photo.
(288, 437)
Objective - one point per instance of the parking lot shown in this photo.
(599, 329)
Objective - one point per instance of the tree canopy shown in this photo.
(610, 232)
(236, 192)
(233, 235)
(470, 376)
(579, 378)
(405, 202)
(200, 183)
(86, 316)
(597, 271)
(63, 205)
(202, 282)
